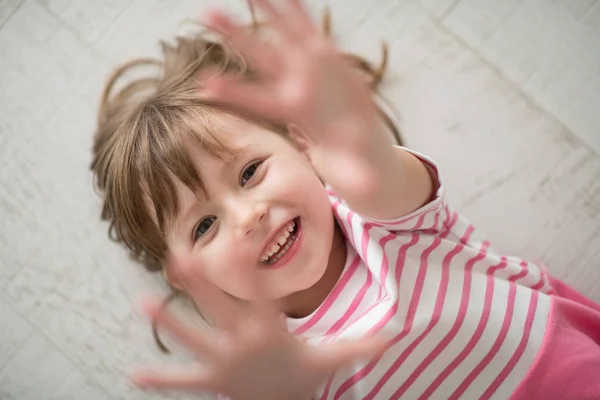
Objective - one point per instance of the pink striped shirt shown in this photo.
(464, 322)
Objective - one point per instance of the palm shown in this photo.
(250, 355)
(304, 81)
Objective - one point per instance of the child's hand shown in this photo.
(305, 81)
(250, 356)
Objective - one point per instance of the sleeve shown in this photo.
(432, 216)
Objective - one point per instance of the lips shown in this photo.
(280, 244)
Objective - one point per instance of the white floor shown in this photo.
(504, 94)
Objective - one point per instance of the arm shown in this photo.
(395, 182)
(332, 116)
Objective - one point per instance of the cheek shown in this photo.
(216, 261)
(222, 266)
(294, 178)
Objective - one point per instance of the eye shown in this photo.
(249, 172)
(203, 227)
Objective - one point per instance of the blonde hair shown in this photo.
(145, 128)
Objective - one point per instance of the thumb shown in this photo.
(334, 356)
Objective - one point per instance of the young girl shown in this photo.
(327, 261)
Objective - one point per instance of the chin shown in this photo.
(307, 278)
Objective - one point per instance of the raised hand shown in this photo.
(249, 354)
(306, 82)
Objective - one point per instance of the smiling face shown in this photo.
(265, 212)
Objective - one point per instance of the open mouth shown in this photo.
(282, 243)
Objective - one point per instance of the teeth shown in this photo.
(283, 238)
(278, 242)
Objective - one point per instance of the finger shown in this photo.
(253, 98)
(331, 357)
(303, 22)
(280, 21)
(200, 344)
(260, 55)
(188, 378)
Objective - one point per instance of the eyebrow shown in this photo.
(184, 214)
(181, 220)
(200, 197)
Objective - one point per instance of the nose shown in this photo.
(249, 217)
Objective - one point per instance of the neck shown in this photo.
(305, 302)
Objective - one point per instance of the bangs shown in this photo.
(165, 154)
(153, 150)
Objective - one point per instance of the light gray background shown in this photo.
(505, 95)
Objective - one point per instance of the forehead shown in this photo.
(243, 133)
(241, 136)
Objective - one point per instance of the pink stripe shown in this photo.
(327, 387)
(547, 282)
(422, 217)
(420, 222)
(353, 306)
(489, 294)
(385, 265)
(495, 347)
(462, 311)
(349, 219)
(402, 221)
(365, 240)
(423, 212)
(436, 316)
(380, 324)
(382, 243)
(540, 283)
(464, 240)
(359, 375)
(521, 274)
(520, 349)
(330, 300)
(398, 273)
(410, 315)
(392, 310)
(448, 217)
(449, 225)
(436, 220)
(400, 261)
